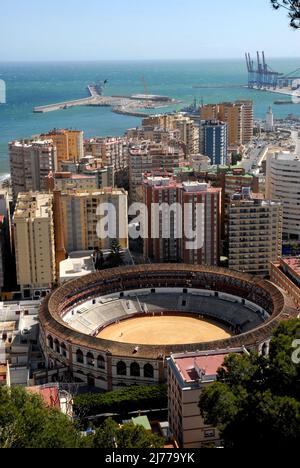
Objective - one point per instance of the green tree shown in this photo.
(236, 158)
(25, 422)
(256, 400)
(128, 436)
(105, 436)
(283, 374)
(293, 8)
(123, 401)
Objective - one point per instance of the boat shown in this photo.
(283, 102)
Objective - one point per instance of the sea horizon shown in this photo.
(36, 83)
(184, 59)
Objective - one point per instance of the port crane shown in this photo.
(262, 76)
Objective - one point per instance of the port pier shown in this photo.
(126, 105)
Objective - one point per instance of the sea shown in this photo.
(35, 84)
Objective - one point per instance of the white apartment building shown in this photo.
(255, 233)
(283, 183)
(112, 151)
(30, 164)
(34, 243)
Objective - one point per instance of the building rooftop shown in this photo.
(96, 193)
(62, 131)
(29, 143)
(200, 367)
(71, 175)
(286, 156)
(142, 421)
(33, 205)
(77, 265)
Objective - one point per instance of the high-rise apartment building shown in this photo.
(233, 182)
(5, 235)
(152, 133)
(69, 181)
(30, 163)
(68, 143)
(255, 233)
(283, 183)
(165, 121)
(2, 250)
(89, 219)
(214, 141)
(111, 151)
(189, 131)
(170, 231)
(34, 243)
(238, 116)
(269, 120)
(150, 157)
(89, 167)
(248, 120)
(209, 112)
(232, 114)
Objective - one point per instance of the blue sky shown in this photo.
(35, 30)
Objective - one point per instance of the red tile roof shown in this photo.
(209, 364)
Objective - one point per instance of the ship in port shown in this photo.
(283, 102)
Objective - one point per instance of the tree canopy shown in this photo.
(25, 422)
(129, 436)
(256, 400)
(293, 8)
(122, 401)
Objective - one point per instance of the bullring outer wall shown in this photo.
(103, 369)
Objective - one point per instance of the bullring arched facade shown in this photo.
(108, 364)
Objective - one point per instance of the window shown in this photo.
(57, 346)
(79, 356)
(101, 362)
(135, 370)
(90, 359)
(63, 350)
(121, 368)
(50, 342)
(148, 371)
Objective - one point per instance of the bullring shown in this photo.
(100, 330)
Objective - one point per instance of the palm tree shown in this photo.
(115, 257)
